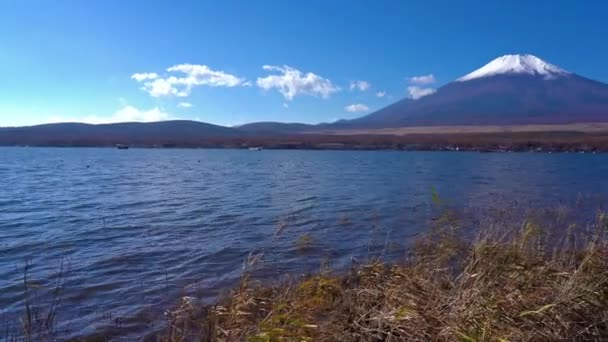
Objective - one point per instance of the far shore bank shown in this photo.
(564, 137)
(505, 141)
(598, 127)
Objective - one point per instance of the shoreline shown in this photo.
(346, 148)
(505, 280)
(504, 286)
(545, 141)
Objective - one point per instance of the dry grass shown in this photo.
(39, 321)
(505, 285)
(599, 127)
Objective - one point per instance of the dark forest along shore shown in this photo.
(130, 232)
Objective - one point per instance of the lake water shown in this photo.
(136, 229)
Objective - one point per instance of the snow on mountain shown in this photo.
(516, 64)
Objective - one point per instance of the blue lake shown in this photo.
(137, 229)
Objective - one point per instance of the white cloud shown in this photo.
(185, 105)
(190, 76)
(424, 79)
(356, 108)
(130, 114)
(361, 85)
(125, 114)
(144, 76)
(202, 75)
(19, 121)
(291, 82)
(416, 92)
(285, 105)
(381, 94)
(163, 87)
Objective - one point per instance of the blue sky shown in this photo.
(232, 62)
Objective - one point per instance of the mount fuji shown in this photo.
(510, 90)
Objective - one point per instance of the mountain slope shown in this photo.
(270, 128)
(513, 89)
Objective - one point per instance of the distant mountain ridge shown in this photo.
(509, 90)
(165, 132)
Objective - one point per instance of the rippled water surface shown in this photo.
(136, 229)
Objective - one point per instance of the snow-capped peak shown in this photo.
(516, 64)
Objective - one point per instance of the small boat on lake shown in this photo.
(122, 147)
(257, 148)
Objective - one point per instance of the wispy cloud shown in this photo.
(144, 76)
(132, 114)
(361, 85)
(185, 105)
(188, 77)
(356, 108)
(416, 92)
(291, 82)
(126, 113)
(422, 80)
(381, 94)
